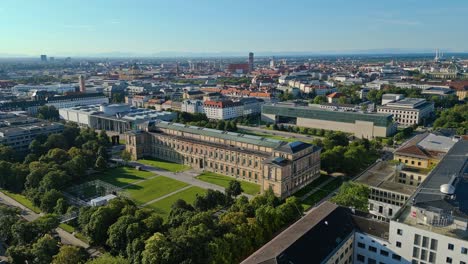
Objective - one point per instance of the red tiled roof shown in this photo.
(335, 95)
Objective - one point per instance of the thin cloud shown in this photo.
(400, 22)
(73, 26)
(113, 22)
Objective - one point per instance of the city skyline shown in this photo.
(152, 28)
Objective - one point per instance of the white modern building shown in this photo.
(114, 117)
(409, 111)
(433, 226)
(76, 100)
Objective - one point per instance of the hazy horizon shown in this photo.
(145, 28)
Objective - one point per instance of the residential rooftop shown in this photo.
(382, 175)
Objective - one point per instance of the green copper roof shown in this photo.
(244, 138)
(325, 114)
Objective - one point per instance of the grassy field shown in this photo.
(151, 189)
(287, 139)
(165, 165)
(163, 206)
(22, 200)
(321, 179)
(322, 193)
(222, 180)
(70, 229)
(122, 176)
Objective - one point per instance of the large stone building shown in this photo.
(360, 124)
(283, 167)
(19, 131)
(408, 111)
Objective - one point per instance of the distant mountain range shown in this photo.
(394, 51)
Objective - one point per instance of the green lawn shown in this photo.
(151, 189)
(321, 179)
(322, 193)
(277, 137)
(22, 200)
(165, 165)
(70, 229)
(163, 206)
(222, 180)
(122, 176)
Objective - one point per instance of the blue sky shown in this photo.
(87, 27)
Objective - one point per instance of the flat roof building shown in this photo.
(433, 226)
(19, 131)
(408, 111)
(112, 117)
(360, 124)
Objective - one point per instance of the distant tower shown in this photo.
(251, 61)
(272, 63)
(43, 58)
(81, 81)
(437, 55)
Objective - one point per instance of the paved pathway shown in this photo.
(165, 196)
(65, 237)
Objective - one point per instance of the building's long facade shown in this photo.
(362, 125)
(19, 131)
(283, 167)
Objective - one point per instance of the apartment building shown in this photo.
(283, 167)
(408, 111)
(192, 106)
(222, 110)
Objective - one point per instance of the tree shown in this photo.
(157, 250)
(320, 99)
(49, 200)
(56, 155)
(234, 189)
(102, 152)
(70, 255)
(352, 194)
(101, 164)
(19, 254)
(7, 153)
(126, 156)
(103, 138)
(56, 141)
(61, 206)
(48, 113)
(44, 249)
(35, 147)
(108, 259)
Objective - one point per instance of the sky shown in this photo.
(147, 27)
